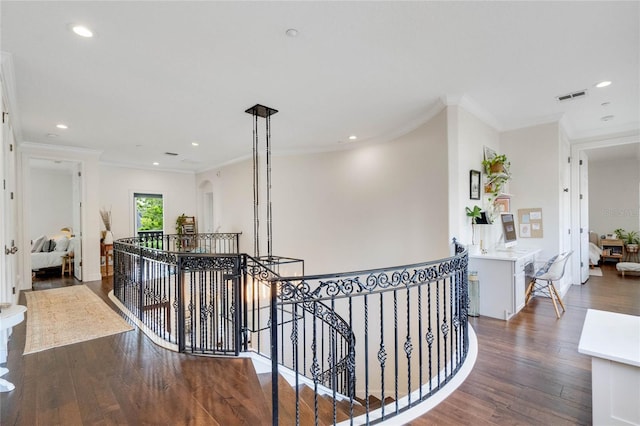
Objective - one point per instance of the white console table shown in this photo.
(613, 341)
(9, 317)
(502, 280)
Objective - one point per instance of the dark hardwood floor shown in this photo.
(528, 371)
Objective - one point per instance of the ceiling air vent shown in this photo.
(574, 95)
(173, 154)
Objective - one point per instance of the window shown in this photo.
(149, 212)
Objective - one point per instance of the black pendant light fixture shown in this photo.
(266, 113)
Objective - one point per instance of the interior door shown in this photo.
(76, 196)
(8, 206)
(584, 216)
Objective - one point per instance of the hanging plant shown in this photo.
(496, 165)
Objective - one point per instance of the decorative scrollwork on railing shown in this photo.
(318, 288)
(159, 256)
(202, 262)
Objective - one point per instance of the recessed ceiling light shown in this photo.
(195, 143)
(52, 135)
(292, 32)
(62, 126)
(603, 84)
(353, 137)
(604, 104)
(607, 118)
(155, 163)
(82, 31)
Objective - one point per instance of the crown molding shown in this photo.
(471, 106)
(145, 168)
(8, 79)
(38, 148)
(424, 117)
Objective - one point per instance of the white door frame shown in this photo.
(578, 148)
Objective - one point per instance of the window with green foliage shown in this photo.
(149, 212)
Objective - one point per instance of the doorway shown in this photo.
(53, 197)
(206, 207)
(581, 222)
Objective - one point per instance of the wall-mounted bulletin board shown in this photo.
(530, 223)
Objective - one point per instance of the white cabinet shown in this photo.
(613, 341)
(502, 276)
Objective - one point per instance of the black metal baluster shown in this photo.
(408, 348)
(395, 348)
(382, 352)
(274, 354)
(366, 355)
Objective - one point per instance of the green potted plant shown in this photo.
(632, 241)
(474, 214)
(497, 174)
(180, 221)
(620, 233)
(496, 164)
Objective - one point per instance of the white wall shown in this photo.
(367, 207)
(613, 195)
(117, 185)
(472, 135)
(51, 202)
(536, 182)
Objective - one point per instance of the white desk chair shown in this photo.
(543, 279)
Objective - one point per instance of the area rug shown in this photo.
(596, 271)
(67, 315)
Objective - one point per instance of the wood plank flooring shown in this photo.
(528, 372)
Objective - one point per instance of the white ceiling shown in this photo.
(160, 75)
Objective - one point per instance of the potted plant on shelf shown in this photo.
(497, 175)
(496, 164)
(180, 221)
(474, 214)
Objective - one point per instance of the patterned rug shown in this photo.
(67, 315)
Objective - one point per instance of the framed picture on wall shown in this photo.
(488, 153)
(474, 184)
(503, 205)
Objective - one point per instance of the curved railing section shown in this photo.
(409, 325)
(182, 290)
(377, 342)
(291, 323)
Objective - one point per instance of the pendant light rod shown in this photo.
(266, 113)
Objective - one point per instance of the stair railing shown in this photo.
(394, 335)
(409, 328)
(185, 297)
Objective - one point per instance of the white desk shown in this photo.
(9, 317)
(613, 341)
(502, 280)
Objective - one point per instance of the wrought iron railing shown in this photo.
(192, 243)
(396, 335)
(408, 328)
(188, 299)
